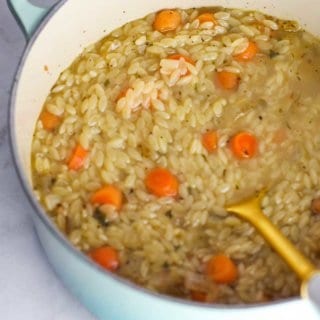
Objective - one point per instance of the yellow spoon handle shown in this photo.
(302, 266)
(250, 210)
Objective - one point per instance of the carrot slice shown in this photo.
(222, 270)
(106, 257)
(78, 158)
(210, 141)
(108, 195)
(122, 94)
(178, 56)
(228, 80)
(198, 296)
(244, 145)
(162, 183)
(315, 206)
(249, 53)
(207, 17)
(167, 20)
(49, 120)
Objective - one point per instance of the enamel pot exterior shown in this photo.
(63, 32)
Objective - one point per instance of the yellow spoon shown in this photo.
(250, 210)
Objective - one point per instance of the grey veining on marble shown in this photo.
(29, 288)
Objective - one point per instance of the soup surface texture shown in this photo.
(151, 131)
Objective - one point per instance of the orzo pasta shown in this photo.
(151, 131)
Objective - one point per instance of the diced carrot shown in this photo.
(249, 53)
(221, 269)
(108, 195)
(167, 20)
(178, 56)
(280, 136)
(106, 257)
(210, 141)
(122, 94)
(207, 17)
(315, 206)
(78, 158)
(162, 183)
(198, 296)
(228, 80)
(244, 145)
(49, 120)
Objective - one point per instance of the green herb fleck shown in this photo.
(100, 217)
(273, 54)
(168, 214)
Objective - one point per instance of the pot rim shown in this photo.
(40, 213)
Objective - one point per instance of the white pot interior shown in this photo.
(79, 23)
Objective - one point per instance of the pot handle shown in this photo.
(27, 15)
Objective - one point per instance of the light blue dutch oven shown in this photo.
(55, 37)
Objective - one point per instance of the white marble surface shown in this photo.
(28, 287)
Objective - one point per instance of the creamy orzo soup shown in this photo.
(151, 131)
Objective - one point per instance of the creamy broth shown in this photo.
(150, 132)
